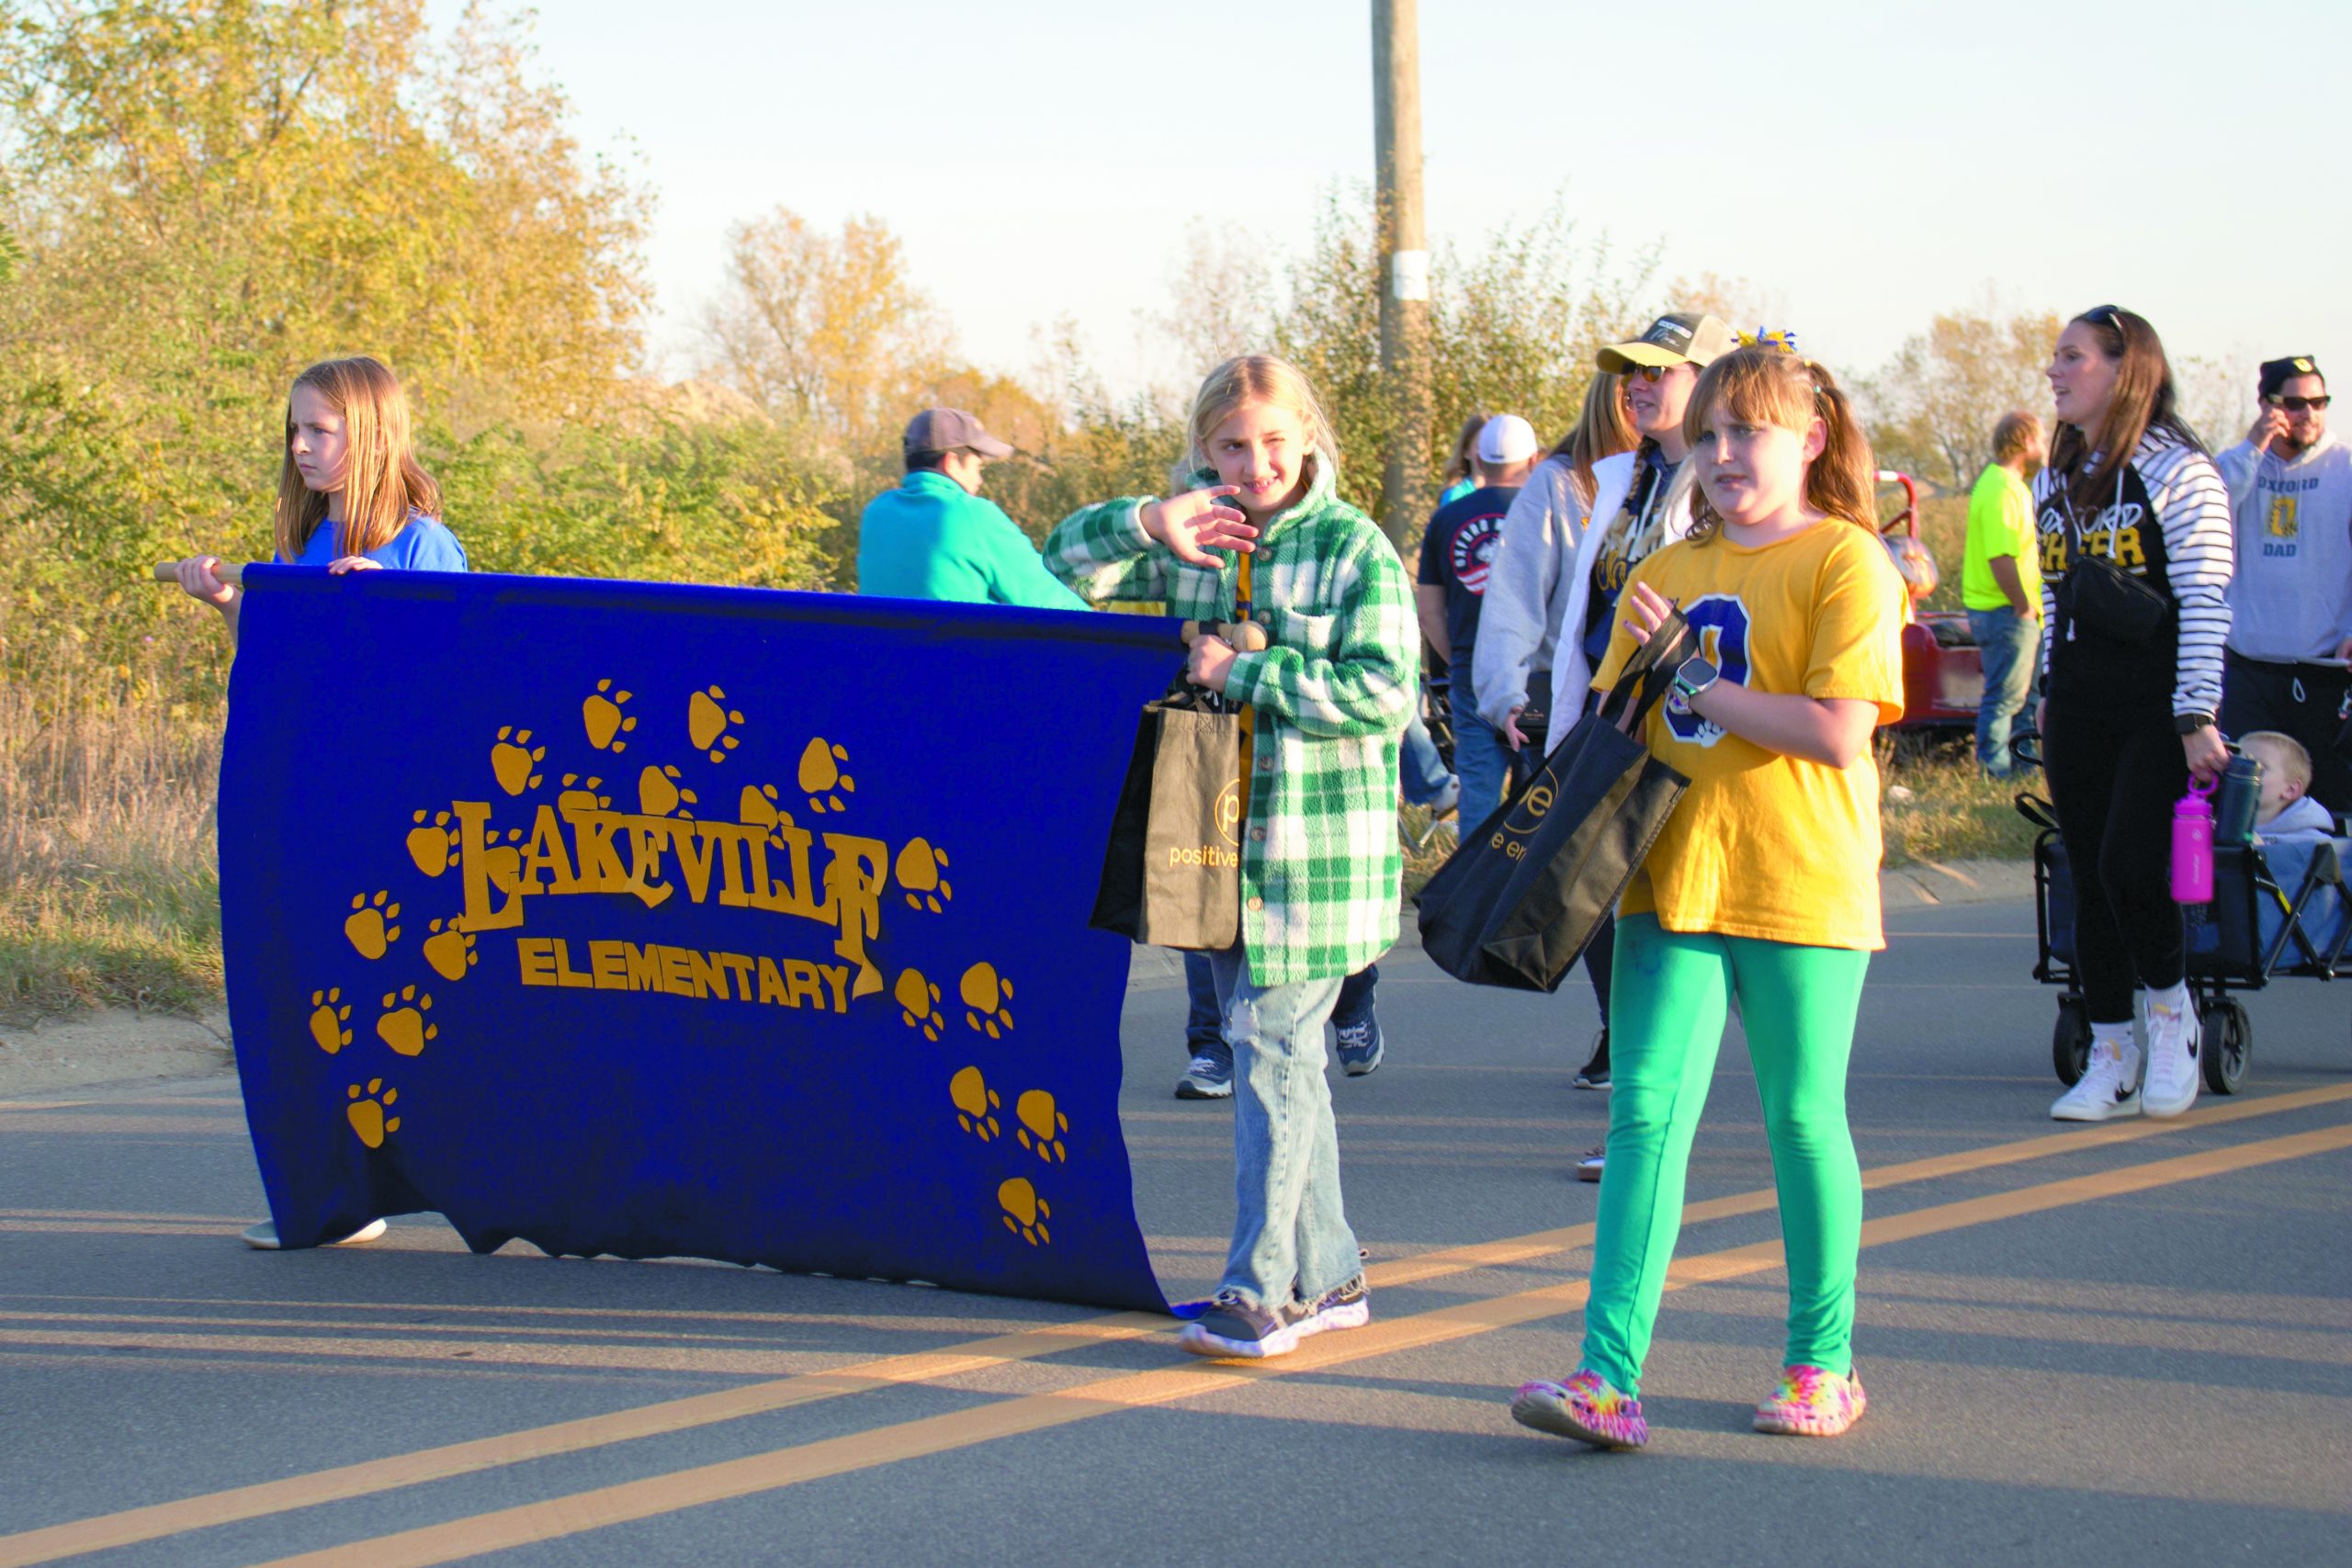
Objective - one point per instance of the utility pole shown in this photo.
(1404, 264)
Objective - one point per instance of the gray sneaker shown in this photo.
(1233, 1328)
(1209, 1077)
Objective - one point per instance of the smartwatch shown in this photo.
(2187, 723)
(1694, 676)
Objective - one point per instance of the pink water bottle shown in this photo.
(2192, 846)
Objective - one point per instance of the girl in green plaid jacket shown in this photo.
(1319, 859)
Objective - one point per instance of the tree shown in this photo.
(1934, 405)
(825, 330)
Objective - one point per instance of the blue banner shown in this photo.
(654, 920)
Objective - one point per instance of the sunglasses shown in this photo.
(1650, 373)
(2297, 405)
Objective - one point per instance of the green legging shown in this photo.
(1670, 994)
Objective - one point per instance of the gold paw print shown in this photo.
(918, 1001)
(327, 1020)
(919, 868)
(402, 1027)
(708, 721)
(512, 760)
(433, 845)
(975, 1101)
(369, 924)
(986, 992)
(367, 1113)
(450, 949)
(605, 722)
(820, 775)
(757, 807)
(658, 793)
(579, 795)
(1038, 1116)
(1025, 1213)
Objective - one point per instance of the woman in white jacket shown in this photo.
(1640, 501)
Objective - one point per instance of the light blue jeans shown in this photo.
(2011, 646)
(1290, 1230)
(1420, 765)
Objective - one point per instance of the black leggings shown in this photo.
(2113, 779)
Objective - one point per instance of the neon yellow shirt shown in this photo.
(2001, 523)
(1766, 845)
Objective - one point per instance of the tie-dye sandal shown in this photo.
(1586, 1408)
(1812, 1402)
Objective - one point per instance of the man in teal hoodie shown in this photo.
(933, 537)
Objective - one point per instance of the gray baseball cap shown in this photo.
(951, 430)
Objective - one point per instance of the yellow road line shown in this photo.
(206, 1510)
(558, 1517)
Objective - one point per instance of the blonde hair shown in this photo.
(1464, 447)
(2294, 761)
(1603, 429)
(382, 484)
(1771, 385)
(1255, 378)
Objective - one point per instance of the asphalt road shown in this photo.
(2082, 1345)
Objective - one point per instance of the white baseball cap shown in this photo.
(1505, 439)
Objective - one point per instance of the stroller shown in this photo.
(2279, 911)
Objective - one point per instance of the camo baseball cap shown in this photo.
(1685, 337)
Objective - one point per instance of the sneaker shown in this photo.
(1361, 1047)
(1594, 1074)
(2108, 1087)
(1448, 800)
(262, 1238)
(1232, 1327)
(1812, 1402)
(1584, 1408)
(1209, 1077)
(1589, 1168)
(2170, 1082)
(1350, 1306)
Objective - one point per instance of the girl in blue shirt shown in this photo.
(350, 498)
(350, 494)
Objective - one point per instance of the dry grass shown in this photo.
(109, 892)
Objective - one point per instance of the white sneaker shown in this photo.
(262, 1238)
(2173, 1039)
(2108, 1087)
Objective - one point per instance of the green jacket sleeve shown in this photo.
(1367, 685)
(1014, 571)
(1102, 553)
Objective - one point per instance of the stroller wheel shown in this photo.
(2069, 1041)
(2228, 1045)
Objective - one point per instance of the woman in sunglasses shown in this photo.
(2136, 557)
(1641, 500)
(2291, 603)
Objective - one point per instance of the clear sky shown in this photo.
(1865, 165)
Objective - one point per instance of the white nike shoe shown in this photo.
(2108, 1087)
(2173, 1042)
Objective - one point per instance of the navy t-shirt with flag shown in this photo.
(1456, 553)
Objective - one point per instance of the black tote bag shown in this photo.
(1519, 902)
(1171, 872)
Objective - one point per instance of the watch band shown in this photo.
(2190, 723)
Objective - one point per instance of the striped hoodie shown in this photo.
(2168, 524)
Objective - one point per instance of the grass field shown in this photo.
(109, 891)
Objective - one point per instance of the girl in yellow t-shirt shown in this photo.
(1763, 885)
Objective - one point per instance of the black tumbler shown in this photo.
(2240, 797)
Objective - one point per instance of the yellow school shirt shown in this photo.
(1765, 845)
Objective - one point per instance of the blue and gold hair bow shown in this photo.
(1784, 340)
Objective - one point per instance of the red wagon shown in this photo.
(1943, 669)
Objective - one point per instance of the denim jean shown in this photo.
(1290, 1230)
(1482, 758)
(2012, 648)
(1425, 777)
(1204, 1031)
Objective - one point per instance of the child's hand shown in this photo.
(1649, 611)
(1210, 663)
(196, 576)
(342, 564)
(1195, 523)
